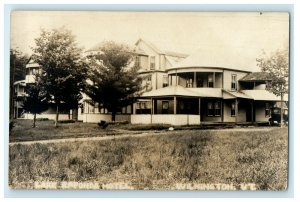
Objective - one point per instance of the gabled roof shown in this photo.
(220, 57)
(257, 76)
(160, 51)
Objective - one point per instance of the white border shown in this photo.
(293, 79)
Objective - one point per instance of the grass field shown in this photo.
(160, 161)
(45, 130)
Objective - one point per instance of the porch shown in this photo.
(177, 105)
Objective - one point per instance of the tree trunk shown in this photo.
(34, 119)
(113, 116)
(75, 114)
(281, 111)
(56, 117)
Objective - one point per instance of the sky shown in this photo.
(183, 32)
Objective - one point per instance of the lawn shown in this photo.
(45, 130)
(158, 161)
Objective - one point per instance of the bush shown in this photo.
(66, 121)
(104, 124)
(42, 119)
(11, 125)
(149, 127)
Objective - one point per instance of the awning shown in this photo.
(234, 94)
(262, 95)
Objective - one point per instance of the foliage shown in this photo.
(277, 65)
(18, 62)
(113, 82)
(63, 72)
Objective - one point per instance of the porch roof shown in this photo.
(233, 94)
(182, 91)
(262, 95)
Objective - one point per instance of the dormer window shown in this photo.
(233, 82)
(152, 62)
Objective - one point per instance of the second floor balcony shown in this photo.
(197, 79)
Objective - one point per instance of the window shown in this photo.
(214, 108)
(210, 110)
(138, 105)
(149, 82)
(267, 110)
(34, 71)
(233, 82)
(233, 110)
(189, 83)
(91, 108)
(138, 61)
(165, 81)
(143, 107)
(82, 108)
(165, 107)
(152, 62)
(218, 108)
(210, 82)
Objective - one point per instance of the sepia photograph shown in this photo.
(111, 100)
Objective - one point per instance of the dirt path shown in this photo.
(141, 134)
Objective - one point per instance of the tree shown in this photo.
(63, 72)
(34, 102)
(277, 65)
(113, 82)
(17, 72)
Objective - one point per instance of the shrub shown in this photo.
(67, 121)
(148, 127)
(11, 125)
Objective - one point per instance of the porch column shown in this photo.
(152, 111)
(222, 110)
(17, 109)
(199, 109)
(175, 105)
(236, 110)
(252, 111)
(154, 106)
(194, 83)
(176, 77)
(214, 79)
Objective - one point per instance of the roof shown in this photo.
(182, 91)
(262, 95)
(257, 76)
(234, 94)
(221, 57)
(160, 51)
(173, 60)
(21, 82)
